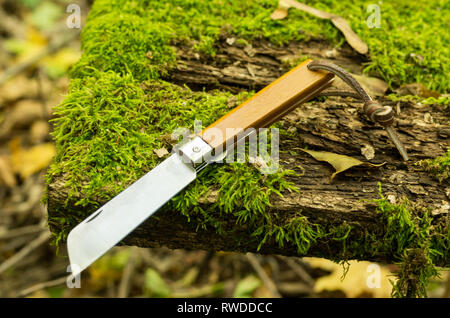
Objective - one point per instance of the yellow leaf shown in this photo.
(57, 65)
(161, 152)
(35, 37)
(363, 279)
(339, 162)
(6, 174)
(280, 13)
(33, 45)
(29, 161)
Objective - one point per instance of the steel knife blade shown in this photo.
(112, 222)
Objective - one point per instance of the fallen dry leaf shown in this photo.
(161, 152)
(26, 162)
(23, 114)
(39, 131)
(373, 85)
(232, 101)
(230, 41)
(352, 38)
(6, 172)
(339, 162)
(301, 6)
(18, 87)
(417, 89)
(368, 152)
(360, 280)
(280, 13)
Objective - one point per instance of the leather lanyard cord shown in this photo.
(384, 115)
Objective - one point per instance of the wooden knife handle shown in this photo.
(268, 105)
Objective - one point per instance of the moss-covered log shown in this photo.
(348, 202)
(115, 116)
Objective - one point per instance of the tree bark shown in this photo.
(336, 125)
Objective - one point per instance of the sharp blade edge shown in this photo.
(111, 223)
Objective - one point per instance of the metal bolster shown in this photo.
(196, 153)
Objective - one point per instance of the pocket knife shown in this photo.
(112, 222)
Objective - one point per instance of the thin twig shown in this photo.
(197, 292)
(262, 274)
(40, 92)
(44, 285)
(293, 289)
(34, 197)
(50, 49)
(149, 259)
(16, 243)
(16, 258)
(25, 230)
(127, 276)
(11, 24)
(299, 270)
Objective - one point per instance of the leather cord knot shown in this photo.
(383, 115)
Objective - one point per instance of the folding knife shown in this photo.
(111, 223)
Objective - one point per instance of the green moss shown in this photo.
(243, 194)
(126, 44)
(410, 237)
(297, 231)
(402, 230)
(136, 36)
(409, 46)
(439, 166)
(443, 101)
(415, 271)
